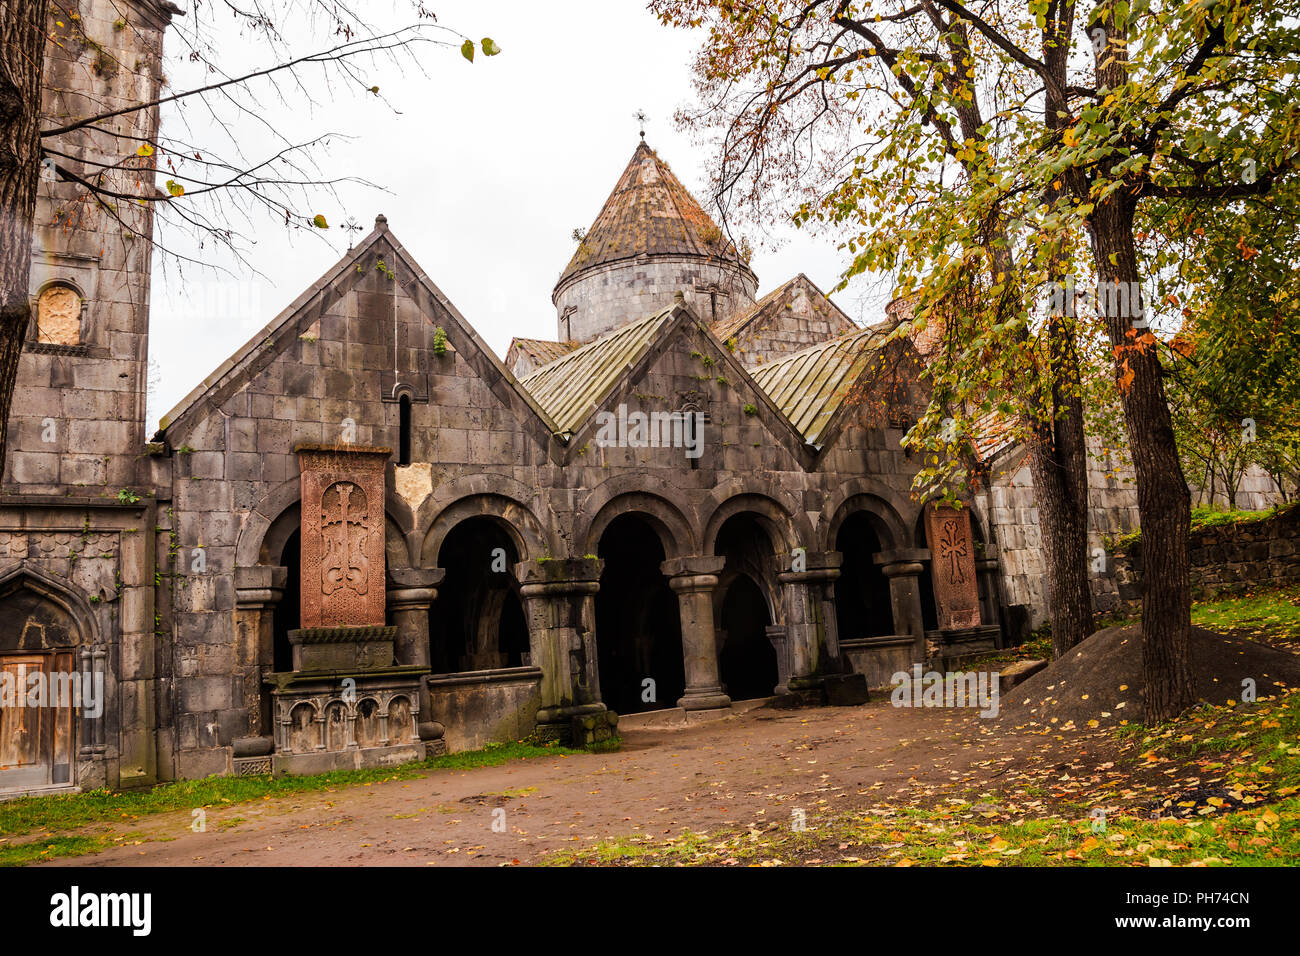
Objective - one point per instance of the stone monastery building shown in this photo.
(364, 537)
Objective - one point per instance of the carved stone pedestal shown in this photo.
(346, 703)
(338, 720)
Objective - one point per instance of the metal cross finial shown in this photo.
(641, 118)
(352, 227)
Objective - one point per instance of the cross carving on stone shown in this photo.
(952, 546)
(345, 525)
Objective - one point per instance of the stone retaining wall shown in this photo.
(1225, 559)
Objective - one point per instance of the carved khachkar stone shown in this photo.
(342, 535)
(952, 566)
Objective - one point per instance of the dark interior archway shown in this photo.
(747, 664)
(477, 622)
(638, 625)
(929, 612)
(862, 605)
(288, 610)
(747, 661)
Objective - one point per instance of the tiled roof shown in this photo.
(541, 351)
(570, 386)
(649, 213)
(994, 434)
(810, 385)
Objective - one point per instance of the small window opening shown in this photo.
(404, 426)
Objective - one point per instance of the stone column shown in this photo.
(776, 635)
(808, 579)
(903, 568)
(258, 590)
(694, 579)
(559, 602)
(411, 592)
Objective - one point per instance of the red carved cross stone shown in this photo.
(342, 535)
(952, 566)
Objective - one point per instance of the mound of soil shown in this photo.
(1101, 679)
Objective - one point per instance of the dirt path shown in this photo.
(747, 769)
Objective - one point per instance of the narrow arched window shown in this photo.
(404, 426)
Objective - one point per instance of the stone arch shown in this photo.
(748, 664)
(62, 594)
(75, 326)
(269, 533)
(478, 621)
(301, 731)
(649, 497)
(885, 506)
(367, 729)
(518, 521)
(46, 626)
(788, 527)
(257, 526)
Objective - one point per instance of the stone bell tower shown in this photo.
(651, 241)
(78, 417)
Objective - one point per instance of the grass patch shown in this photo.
(1275, 611)
(68, 811)
(21, 854)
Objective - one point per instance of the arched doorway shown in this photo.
(638, 624)
(39, 638)
(747, 661)
(477, 621)
(862, 604)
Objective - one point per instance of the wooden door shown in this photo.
(35, 741)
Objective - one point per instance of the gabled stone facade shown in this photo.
(790, 317)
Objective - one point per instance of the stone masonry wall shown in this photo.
(1225, 559)
(797, 317)
(77, 423)
(613, 295)
(1010, 506)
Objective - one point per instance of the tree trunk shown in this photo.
(22, 57)
(1058, 453)
(1058, 462)
(1164, 503)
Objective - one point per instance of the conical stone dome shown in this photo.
(651, 240)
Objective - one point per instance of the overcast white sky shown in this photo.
(488, 167)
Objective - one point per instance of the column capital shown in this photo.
(694, 565)
(259, 585)
(559, 576)
(905, 569)
(816, 566)
(901, 555)
(411, 589)
(402, 578)
(402, 599)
